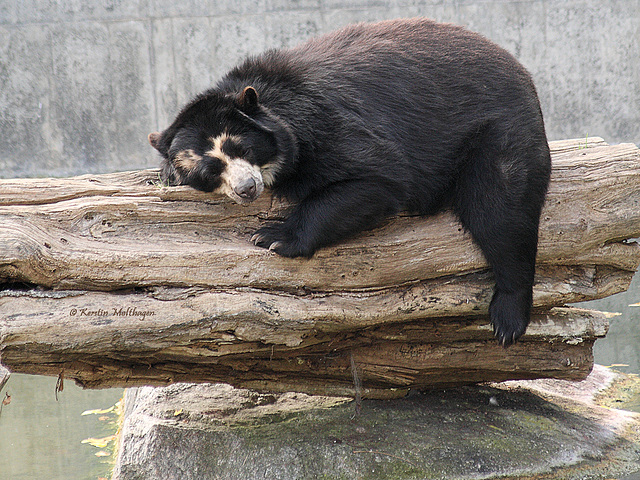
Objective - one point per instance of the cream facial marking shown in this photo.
(240, 180)
(217, 143)
(269, 172)
(236, 176)
(186, 160)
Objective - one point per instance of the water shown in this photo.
(40, 438)
(621, 347)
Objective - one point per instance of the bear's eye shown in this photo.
(233, 149)
(211, 166)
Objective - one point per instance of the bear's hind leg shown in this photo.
(499, 196)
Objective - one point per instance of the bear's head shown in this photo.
(225, 143)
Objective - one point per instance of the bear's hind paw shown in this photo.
(509, 313)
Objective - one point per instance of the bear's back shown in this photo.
(395, 71)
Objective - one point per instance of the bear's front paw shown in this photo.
(278, 238)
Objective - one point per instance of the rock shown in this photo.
(513, 429)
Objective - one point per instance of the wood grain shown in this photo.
(116, 280)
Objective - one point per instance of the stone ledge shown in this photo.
(514, 430)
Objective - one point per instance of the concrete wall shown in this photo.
(82, 82)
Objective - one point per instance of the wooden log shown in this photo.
(165, 287)
(108, 232)
(103, 340)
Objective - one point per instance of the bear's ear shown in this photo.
(154, 140)
(248, 100)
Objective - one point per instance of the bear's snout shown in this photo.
(246, 189)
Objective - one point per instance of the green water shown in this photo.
(621, 347)
(41, 438)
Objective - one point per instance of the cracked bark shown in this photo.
(118, 281)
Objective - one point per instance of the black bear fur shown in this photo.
(360, 124)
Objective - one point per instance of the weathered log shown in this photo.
(209, 306)
(108, 232)
(103, 340)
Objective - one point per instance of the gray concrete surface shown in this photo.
(82, 82)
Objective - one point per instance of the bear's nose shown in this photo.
(246, 189)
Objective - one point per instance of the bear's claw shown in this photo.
(276, 237)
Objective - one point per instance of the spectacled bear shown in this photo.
(362, 123)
